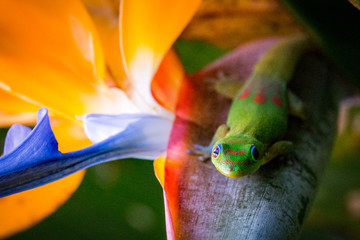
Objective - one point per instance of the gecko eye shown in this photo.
(216, 151)
(255, 154)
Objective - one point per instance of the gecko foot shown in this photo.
(226, 85)
(204, 152)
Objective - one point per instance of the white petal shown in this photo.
(99, 127)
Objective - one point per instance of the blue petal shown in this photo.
(34, 149)
(37, 161)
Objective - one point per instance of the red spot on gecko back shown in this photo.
(245, 94)
(277, 101)
(260, 98)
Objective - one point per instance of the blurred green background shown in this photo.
(123, 200)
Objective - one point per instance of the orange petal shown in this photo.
(69, 135)
(159, 168)
(15, 110)
(25, 209)
(147, 31)
(53, 60)
(167, 81)
(50, 55)
(105, 14)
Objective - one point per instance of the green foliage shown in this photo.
(334, 213)
(195, 55)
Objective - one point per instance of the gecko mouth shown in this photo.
(235, 162)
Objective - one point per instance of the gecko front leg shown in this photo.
(204, 152)
(277, 149)
(296, 106)
(225, 85)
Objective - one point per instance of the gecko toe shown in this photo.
(204, 158)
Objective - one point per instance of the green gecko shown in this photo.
(257, 119)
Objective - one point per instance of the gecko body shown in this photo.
(257, 119)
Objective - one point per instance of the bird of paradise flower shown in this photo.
(55, 55)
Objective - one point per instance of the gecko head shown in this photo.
(236, 157)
